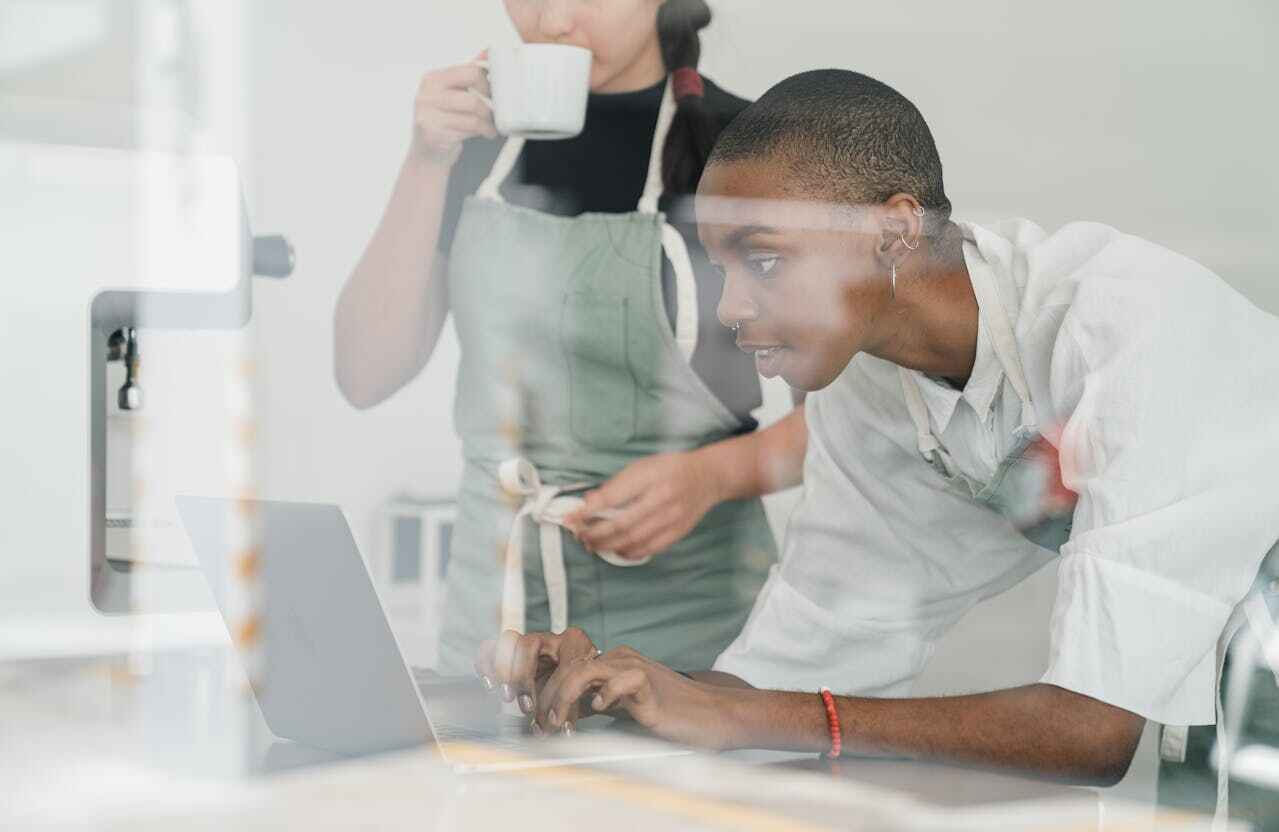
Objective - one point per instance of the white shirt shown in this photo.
(1158, 383)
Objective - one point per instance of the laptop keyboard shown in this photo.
(494, 739)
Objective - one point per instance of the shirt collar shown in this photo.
(986, 378)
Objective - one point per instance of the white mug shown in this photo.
(539, 89)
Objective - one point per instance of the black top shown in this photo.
(604, 170)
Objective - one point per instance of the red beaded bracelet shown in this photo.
(832, 722)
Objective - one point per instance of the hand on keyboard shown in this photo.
(520, 665)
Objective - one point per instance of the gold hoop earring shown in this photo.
(915, 247)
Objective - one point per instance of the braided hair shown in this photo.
(694, 129)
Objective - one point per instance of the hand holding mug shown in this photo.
(451, 107)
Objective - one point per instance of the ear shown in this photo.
(901, 226)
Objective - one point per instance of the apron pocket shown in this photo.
(602, 394)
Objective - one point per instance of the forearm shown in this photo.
(762, 461)
(390, 312)
(715, 677)
(1040, 729)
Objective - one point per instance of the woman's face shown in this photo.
(621, 34)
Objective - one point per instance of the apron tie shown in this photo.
(547, 506)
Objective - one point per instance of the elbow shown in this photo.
(1109, 769)
(1112, 752)
(351, 379)
(353, 385)
(356, 397)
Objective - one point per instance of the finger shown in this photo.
(565, 687)
(658, 543)
(653, 535)
(524, 664)
(607, 535)
(616, 691)
(460, 76)
(459, 125)
(626, 485)
(484, 663)
(504, 656)
(570, 645)
(464, 102)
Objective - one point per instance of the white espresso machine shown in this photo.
(96, 246)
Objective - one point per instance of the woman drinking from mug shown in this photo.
(592, 363)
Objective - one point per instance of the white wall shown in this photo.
(1153, 117)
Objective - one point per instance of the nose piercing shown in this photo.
(915, 247)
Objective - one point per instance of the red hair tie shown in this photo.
(687, 81)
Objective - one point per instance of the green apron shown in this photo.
(569, 372)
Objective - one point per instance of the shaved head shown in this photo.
(843, 137)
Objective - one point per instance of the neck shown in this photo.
(931, 325)
(642, 73)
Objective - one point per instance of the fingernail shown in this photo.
(507, 693)
(551, 719)
(537, 729)
(598, 702)
(526, 703)
(488, 683)
(568, 729)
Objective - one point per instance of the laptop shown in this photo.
(336, 677)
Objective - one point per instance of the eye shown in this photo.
(762, 263)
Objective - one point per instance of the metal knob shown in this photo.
(273, 256)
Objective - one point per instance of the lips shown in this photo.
(768, 357)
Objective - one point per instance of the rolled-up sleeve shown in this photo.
(1175, 508)
(1135, 640)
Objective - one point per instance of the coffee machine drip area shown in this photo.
(125, 309)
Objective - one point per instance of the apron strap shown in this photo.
(491, 187)
(924, 438)
(1260, 639)
(998, 325)
(673, 246)
(1224, 749)
(547, 506)
(994, 313)
(1172, 743)
(653, 181)
(1262, 632)
(686, 312)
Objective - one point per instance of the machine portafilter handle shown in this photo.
(273, 256)
(130, 395)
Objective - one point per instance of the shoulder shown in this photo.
(1092, 270)
(721, 103)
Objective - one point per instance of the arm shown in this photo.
(1043, 729)
(760, 462)
(653, 503)
(392, 308)
(1040, 729)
